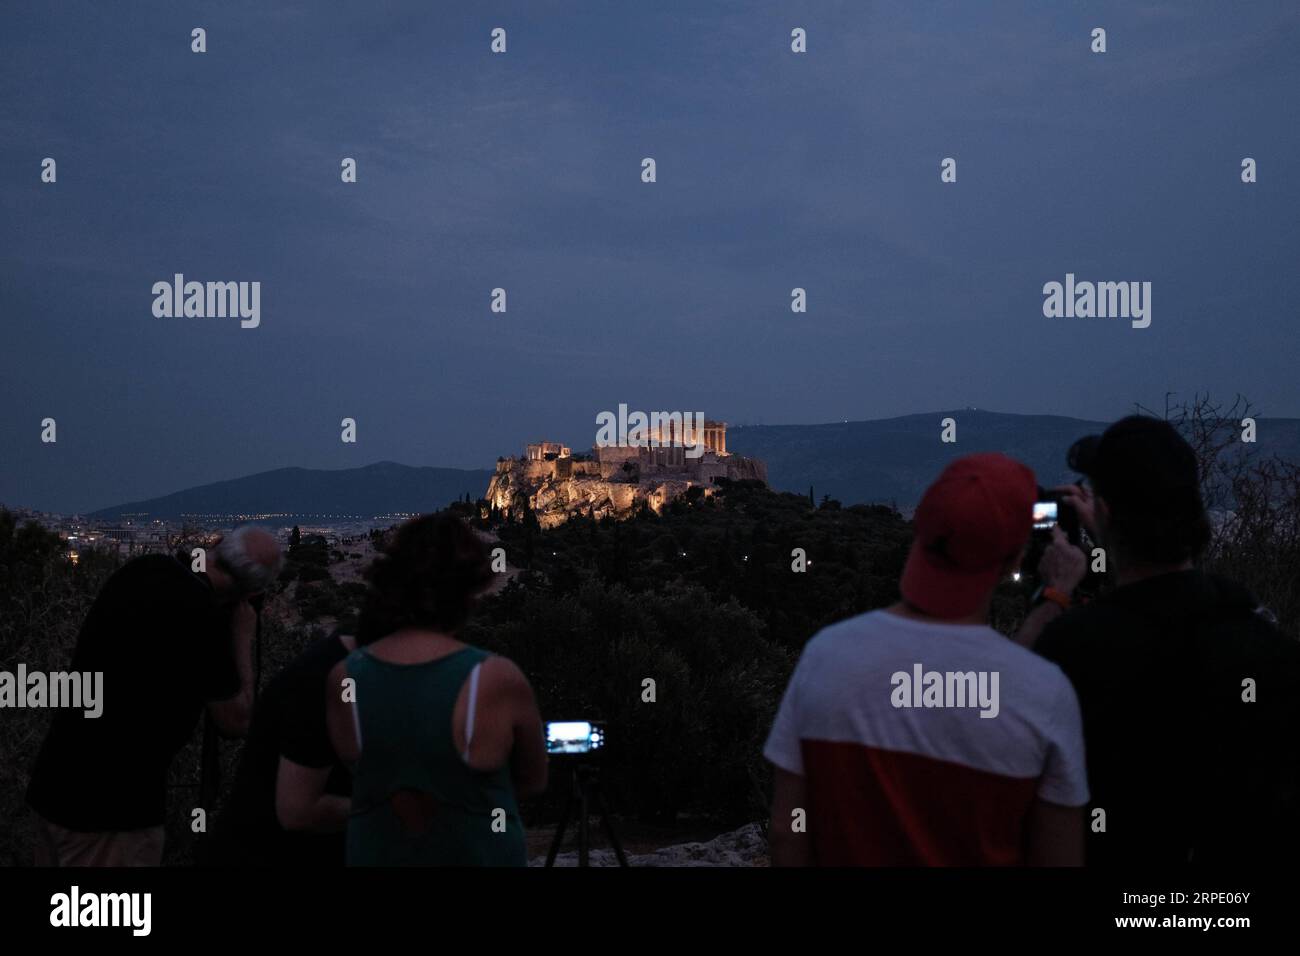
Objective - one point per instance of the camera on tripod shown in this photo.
(579, 744)
(575, 738)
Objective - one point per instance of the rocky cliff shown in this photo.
(557, 490)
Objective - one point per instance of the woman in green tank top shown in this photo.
(441, 736)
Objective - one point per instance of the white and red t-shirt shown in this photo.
(925, 785)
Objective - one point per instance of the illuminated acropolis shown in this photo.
(655, 467)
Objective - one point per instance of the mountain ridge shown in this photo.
(382, 487)
(885, 460)
(893, 460)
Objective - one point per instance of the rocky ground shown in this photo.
(744, 847)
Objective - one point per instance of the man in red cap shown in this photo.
(918, 735)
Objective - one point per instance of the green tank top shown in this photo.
(462, 816)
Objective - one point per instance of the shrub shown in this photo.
(703, 601)
(43, 599)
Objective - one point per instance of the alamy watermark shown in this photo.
(208, 300)
(59, 689)
(922, 688)
(1102, 300)
(655, 430)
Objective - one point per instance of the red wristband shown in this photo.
(1059, 598)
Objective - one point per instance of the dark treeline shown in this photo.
(44, 597)
(703, 600)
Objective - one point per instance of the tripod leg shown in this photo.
(584, 834)
(559, 832)
(610, 832)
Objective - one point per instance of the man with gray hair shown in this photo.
(170, 643)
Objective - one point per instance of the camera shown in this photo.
(1046, 514)
(1050, 511)
(577, 745)
(574, 738)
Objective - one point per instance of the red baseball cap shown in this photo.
(973, 520)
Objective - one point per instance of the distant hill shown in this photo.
(889, 460)
(894, 459)
(379, 489)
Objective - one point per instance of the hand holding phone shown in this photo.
(1081, 500)
(1063, 566)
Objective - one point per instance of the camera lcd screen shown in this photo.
(573, 736)
(1045, 515)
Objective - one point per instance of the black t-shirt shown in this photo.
(1184, 768)
(163, 644)
(289, 720)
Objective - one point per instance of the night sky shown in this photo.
(523, 171)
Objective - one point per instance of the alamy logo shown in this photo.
(75, 908)
(656, 430)
(209, 300)
(1102, 300)
(59, 689)
(922, 688)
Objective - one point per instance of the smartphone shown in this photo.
(574, 736)
(1046, 515)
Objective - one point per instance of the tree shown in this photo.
(44, 598)
(1254, 504)
(295, 538)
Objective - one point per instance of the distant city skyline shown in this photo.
(476, 171)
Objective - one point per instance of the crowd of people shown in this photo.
(1153, 724)
(398, 745)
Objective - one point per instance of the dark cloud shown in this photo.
(522, 171)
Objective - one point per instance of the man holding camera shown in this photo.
(1190, 696)
(170, 642)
